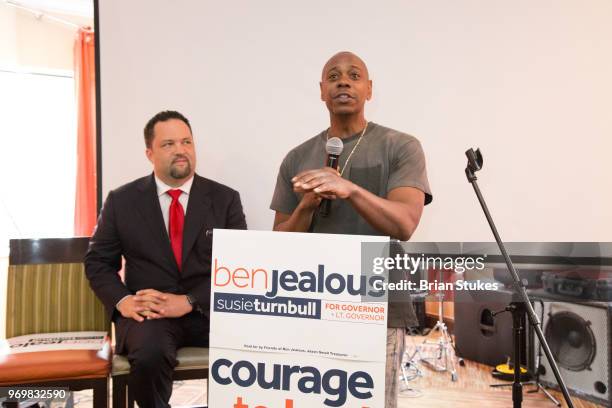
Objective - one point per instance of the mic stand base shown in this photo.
(538, 388)
(519, 313)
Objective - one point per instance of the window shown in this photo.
(38, 156)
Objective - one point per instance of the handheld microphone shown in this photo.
(333, 147)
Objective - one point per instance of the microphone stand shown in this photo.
(523, 305)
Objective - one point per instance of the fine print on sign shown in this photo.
(289, 324)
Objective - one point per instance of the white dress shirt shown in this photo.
(165, 200)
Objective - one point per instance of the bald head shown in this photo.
(345, 85)
(345, 57)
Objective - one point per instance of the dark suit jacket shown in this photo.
(131, 224)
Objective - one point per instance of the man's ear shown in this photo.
(369, 90)
(321, 90)
(149, 154)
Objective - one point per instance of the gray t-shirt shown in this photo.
(385, 159)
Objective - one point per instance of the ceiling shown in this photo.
(81, 8)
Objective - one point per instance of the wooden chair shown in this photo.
(48, 292)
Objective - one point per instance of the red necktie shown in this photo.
(175, 226)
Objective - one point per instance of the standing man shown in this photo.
(160, 224)
(380, 186)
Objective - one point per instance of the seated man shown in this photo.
(159, 224)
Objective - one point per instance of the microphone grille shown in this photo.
(334, 146)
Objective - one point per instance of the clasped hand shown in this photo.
(324, 182)
(153, 304)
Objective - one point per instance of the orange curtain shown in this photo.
(85, 80)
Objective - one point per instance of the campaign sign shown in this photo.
(289, 328)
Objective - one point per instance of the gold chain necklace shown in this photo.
(353, 150)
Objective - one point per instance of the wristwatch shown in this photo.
(193, 302)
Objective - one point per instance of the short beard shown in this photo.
(180, 174)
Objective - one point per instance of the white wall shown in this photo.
(527, 81)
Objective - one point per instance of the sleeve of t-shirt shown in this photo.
(408, 167)
(284, 199)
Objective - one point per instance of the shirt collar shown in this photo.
(162, 188)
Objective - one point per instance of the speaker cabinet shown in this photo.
(478, 335)
(580, 338)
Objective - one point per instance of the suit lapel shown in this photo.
(199, 209)
(151, 211)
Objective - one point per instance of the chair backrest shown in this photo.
(47, 289)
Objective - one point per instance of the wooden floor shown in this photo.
(433, 398)
(472, 388)
(432, 390)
